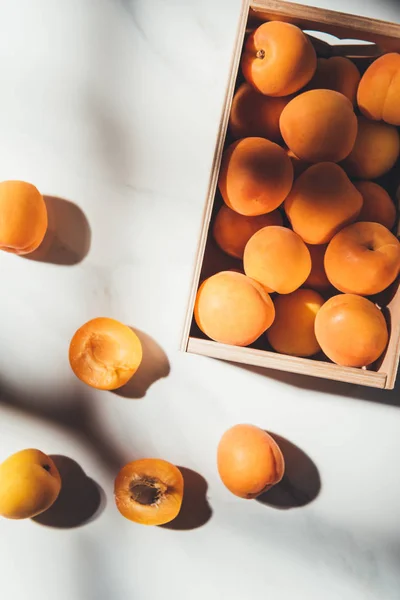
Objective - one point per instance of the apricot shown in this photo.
(317, 279)
(231, 308)
(105, 353)
(253, 114)
(375, 151)
(23, 222)
(322, 201)
(278, 59)
(29, 484)
(351, 330)
(249, 461)
(319, 125)
(337, 73)
(363, 258)
(379, 90)
(149, 491)
(277, 258)
(232, 231)
(378, 206)
(255, 177)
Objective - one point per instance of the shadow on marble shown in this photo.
(195, 511)
(154, 366)
(81, 500)
(301, 482)
(68, 236)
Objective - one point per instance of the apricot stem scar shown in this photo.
(46, 467)
(260, 53)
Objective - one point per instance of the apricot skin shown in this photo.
(351, 330)
(29, 484)
(377, 207)
(379, 90)
(317, 279)
(337, 73)
(249, 461)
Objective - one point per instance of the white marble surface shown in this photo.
(114, 106)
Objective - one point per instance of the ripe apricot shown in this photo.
(317, 279)
(363, 258)
(337, 73)
(292, 331)
(253, 114)
(149, 491)
(232, 231)
(23, 222)
(378, 206)
(231, 308)
(105, 353)
(322, 201)
(351, 330)
(249, 461)
(277, 258)
(29, 484)
(278, 59)
(379, 90)
(255, 177)
(319, 125)
(375, 151)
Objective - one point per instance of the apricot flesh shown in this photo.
(379, 90)
(378, 206)
(149, 491)
(29, 484)
(105, 353)
(337, 73)
(351, 330)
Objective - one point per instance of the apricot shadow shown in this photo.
(81, 500)
(68, 236)
(195, 511)
(301, 482)
(154, 366)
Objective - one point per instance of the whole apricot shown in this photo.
(351, 330)
(23, 223)
(105, 353)
(255, 177)
(277, 258)
(29, 484)
(322, 201)
(149, 491)
(231, 308)
(317, 279)
(375, 151)
(363, 258)
(379, 90)
(278, 59)
(319, 125)
(249, 461)
(378, 206)
(336, 73)
(232, 231)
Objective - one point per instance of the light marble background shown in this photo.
(114, 106)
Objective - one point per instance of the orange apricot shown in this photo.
(379, 90)
(322, 201)
(319, 125)
(149, 491)
(278, 59)
(292, 331)
(278, 259)
(232, 231)
(351, 330)
(317, 279)
(337, 73)
(23, 224)
(378, 206)
(249, 461)
(255, 177)
(363, 258)
(231, 308)
(375, 151)
(105, 353)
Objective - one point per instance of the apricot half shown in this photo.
(233, 309)
(105, 353)
(29, 484)
(337, 73)
(351, 330)
(378, 206)
(379, 90)
(255, 177)
(249, 461)
(278, 59)
(23, 222)
(363, 258)
(149, 491)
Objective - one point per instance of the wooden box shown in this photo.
(332, 33)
